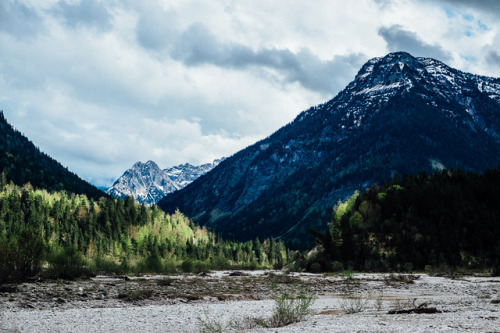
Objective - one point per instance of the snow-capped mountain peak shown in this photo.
(401, 114)
(147, 183)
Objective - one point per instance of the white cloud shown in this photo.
(99, 85)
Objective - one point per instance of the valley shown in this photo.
(396, 174)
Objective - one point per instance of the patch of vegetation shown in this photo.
(67, 263)
(165, 282)
(8, 289)
(22, 162)
(353, 304)
(136, 295)
(401, 304)
(290, 308)
(21, 257)
(446, 220)
(208, 324)
(75, 236)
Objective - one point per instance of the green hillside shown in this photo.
(67, 235)
(22, 163)
(447, 219)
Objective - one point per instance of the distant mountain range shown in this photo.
(22, 162)
(147, 183)
(400, 115)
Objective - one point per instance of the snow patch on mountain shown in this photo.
(147, 183)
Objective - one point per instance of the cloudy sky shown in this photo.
(102, 84)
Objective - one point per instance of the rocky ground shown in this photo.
(231, 302)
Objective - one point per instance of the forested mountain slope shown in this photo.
(401, 114)
(449, 218)
(112, 234)
(22, 163)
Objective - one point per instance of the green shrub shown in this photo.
(315, 268)
(187, 266)
(337, 266)
(169, 267)
(251, 266)
(20, 258)
(495, 271)
(353, 304)
(109, 266)
(290, 308)
(136, 295)
(67, 263)
(151, 264)
(220, 263)
(200, 267)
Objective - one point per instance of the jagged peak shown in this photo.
(391, 63)
(151, 164)
(399, 57)
(148, 164)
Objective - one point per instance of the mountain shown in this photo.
(400, 115)
(22, 163)
(147, 183)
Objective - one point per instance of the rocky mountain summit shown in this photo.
(147, 183)
(400, 115)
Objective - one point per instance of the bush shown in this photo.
(353, 304)
(290, 308)
(220, 263)
(495, 271)
(315, 268)
(187, 266)
(200, 267)
(169, 267)
(337, 266)
(67, 263)
(250, 266)
(109, 266)
(136, 295)
(20, 258)
(151, 264)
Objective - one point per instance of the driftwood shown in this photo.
(415, 310)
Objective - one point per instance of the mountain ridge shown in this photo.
(22, 162)
(400, 114)
(147, 183)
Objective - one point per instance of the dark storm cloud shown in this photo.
(198, 46)
(18, 19)
(399, 39)
(86, 12)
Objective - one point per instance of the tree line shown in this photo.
(446, 219)
(39, 229)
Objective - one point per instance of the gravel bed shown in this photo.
(188, 303)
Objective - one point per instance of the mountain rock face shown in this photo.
(147, 183)
(401, 115)
(22, 162)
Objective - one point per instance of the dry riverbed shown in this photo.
(359, 303)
